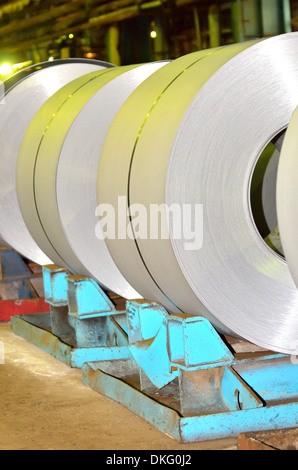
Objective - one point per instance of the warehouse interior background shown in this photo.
(132, 31)
(44, 403)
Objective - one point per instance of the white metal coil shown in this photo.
(58, 134)
(195, 136)
(21, 103)
(76, 190)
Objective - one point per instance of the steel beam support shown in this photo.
(175, 371)
(191, 428)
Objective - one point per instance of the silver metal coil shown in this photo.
(195, 138)
(21, 104)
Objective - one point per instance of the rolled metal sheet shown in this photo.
(217, 114)
(76, 177)
(245, 284)
(161, 99)
(22, 102)
(37, 170)
(24, 73)
(287, 196)
(40, 148)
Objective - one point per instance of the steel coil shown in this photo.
(194, 139)
(69, 130)
(22, 101)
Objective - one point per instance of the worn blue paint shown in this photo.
(55, 285)
(86, 299)
(83, 355)
(152, 357)
(236, 393)
(193, 342)
(220, 425)
(249, 393)
(182, 341)
(144, 319)
(272, 379)
(194, 428)
(160, 416)
(41, 338)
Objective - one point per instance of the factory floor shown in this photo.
(44, 405)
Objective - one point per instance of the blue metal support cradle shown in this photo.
(175, 371)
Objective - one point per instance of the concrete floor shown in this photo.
(44, 405)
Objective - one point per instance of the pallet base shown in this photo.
(192, 428)
(36, 329)
(112, 372)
